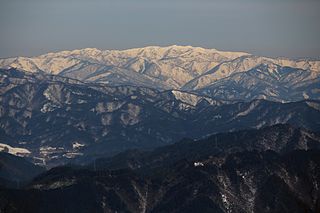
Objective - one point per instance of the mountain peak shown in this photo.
(185, 68)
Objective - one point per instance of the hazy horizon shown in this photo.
(287, 28)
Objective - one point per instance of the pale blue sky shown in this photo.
(264, 27)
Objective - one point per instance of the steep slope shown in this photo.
(57, 119)
(16, 169)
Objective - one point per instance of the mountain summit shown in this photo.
(225, 75)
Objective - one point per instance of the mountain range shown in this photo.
(224, 75)
(54, 119)
(159, 129)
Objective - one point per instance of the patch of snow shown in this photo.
(72, 154)
(217, 117)
(225, 202)
(197, 164)
(249, 109)
(48, 107)
(80, 101)
(190, 98)
(77, 145)
(47, 148)
(22, 152)
(314, 105)
(23, 142)
(305, 95)
(55, 185)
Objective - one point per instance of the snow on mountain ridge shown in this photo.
(244, 64)
(174, 67)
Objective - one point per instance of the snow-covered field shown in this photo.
(14, 150)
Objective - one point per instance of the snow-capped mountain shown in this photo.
(227, 75)
(162, 67)
(246, 63)
(265, 81)
(216, 142)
